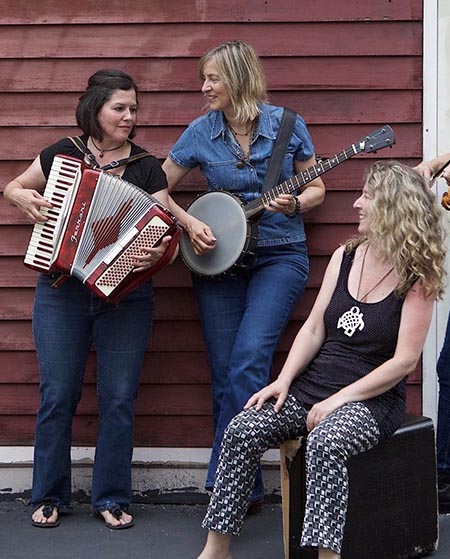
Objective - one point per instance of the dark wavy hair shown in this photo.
(101, 87)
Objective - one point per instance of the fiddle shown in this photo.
(445, 201)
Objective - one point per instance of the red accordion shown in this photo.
(97, 226)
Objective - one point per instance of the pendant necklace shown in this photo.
(245, 152)
(246, 133)
(103, 151)
(361, 299)
(353, 320)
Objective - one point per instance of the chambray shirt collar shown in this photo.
(265, 124)
(266, 127)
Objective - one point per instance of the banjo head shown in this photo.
(225, 216)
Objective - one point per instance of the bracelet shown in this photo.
(298, 207)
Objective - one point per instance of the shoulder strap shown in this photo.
(279, 149)
(76, 140)
(124, 161)
(116, 163)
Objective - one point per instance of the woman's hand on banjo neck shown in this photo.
(284, 203)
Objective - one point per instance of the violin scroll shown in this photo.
(445, 201)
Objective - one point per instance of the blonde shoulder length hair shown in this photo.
(242, 73)
(405, 227)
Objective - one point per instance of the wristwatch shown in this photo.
(298, 207)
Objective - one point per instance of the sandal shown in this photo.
(47, 511)
(117, 512)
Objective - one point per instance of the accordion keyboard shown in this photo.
(62, 183)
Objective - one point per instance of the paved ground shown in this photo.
(160, 532)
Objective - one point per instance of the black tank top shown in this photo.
(359, 338)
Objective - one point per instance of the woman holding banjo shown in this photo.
(244, 312)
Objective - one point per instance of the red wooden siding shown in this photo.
(346, 67)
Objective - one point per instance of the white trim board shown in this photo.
(436, 140)
(167, 472)
(23, 455)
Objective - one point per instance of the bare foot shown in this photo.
(205, 554)
(325, 553)
(217, 546)
(45, 516)
(125, 520)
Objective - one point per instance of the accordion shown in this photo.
(97, 226)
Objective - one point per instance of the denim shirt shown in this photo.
(207, 142)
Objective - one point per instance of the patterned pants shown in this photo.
(346, 432)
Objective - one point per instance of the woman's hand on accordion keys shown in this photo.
(150, 256)
(30, 202)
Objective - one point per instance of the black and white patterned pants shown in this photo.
(344, 433)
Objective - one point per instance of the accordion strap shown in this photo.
(78, 142)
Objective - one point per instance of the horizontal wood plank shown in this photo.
(24, 143)
(158, 368)
(152, 400)
(160, 430)
(179, 336)
(173, 334)
(163, 431)
(337, 208)
(13, 273)
(347, 176)
(142, 11)
(156, 399)
(296, 73)
(180, 108)
(14, 239)
(170, 304)
(356, 38)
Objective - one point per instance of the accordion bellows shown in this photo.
(97, 226)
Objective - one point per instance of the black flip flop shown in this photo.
(117, 512)
(47, 511)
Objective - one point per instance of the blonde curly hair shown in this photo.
(405, 226)
(242, 73)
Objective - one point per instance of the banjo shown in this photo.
(234, 223)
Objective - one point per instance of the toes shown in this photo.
(111, 519)
(42, 516)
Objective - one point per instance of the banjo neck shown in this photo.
(256, 207)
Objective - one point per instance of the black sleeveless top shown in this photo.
(359, 337)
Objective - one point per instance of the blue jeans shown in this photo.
(67, 323)
(443, 423)
(243, 317)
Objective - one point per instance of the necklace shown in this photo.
(102, 151)
(244, 144)
(361, 299)
(246, 133)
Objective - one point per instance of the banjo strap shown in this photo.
(279, 149)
